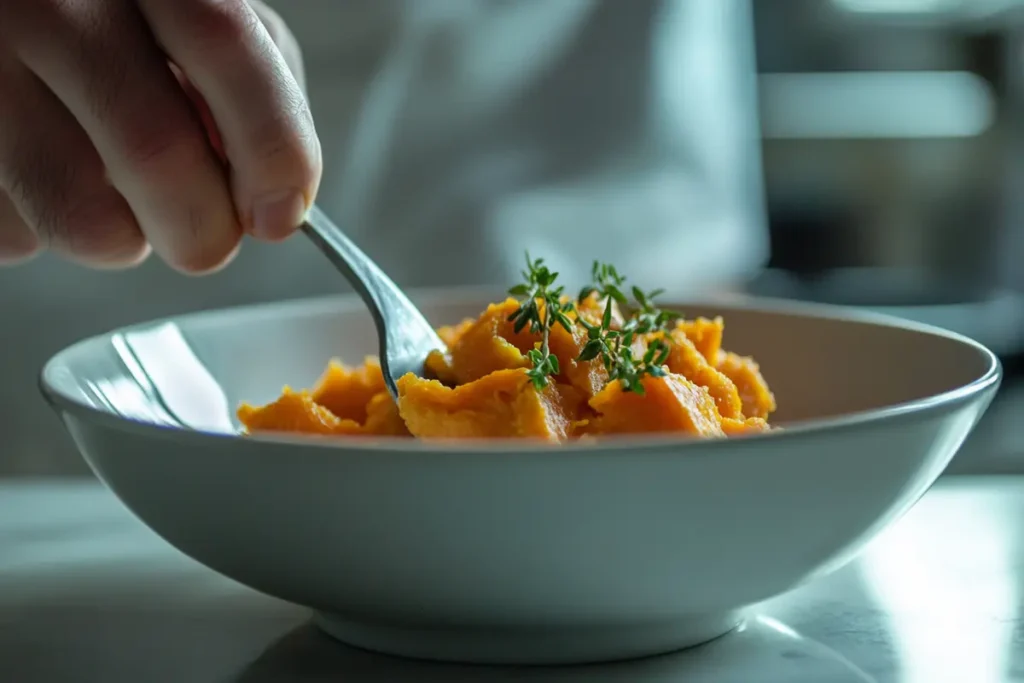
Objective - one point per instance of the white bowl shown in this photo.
(515, 553)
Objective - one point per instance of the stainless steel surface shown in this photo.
(88, 594)
(892, 131)
(893, 150)
(406, 338)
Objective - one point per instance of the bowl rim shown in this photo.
(345, 302)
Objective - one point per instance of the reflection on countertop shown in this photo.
(762, 650)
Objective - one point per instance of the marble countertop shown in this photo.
(87, 593)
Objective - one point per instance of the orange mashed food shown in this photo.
(479, 388)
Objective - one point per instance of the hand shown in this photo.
(127, 125)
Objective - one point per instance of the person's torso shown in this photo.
(578, 129)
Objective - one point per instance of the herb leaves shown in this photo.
(540, 310)
(542, 307)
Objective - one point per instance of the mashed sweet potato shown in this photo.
(480, 387)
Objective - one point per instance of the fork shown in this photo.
(404, 335)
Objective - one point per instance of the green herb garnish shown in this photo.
(649, 317)
(613, 346)
(615, 349)
(539, 291)
(607, 283)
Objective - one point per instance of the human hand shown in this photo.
(135, 125)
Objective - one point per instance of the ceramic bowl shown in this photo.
(508, 553)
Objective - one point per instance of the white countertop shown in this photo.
(87, 593)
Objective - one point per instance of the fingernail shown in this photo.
(276, 215)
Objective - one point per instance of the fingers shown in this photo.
(17, 242)
(100, 60)
(52, 187)
(283, 38)
(255, 101)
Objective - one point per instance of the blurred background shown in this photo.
(863, 152)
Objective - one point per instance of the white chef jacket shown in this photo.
(619, 130)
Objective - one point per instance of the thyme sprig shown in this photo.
(615, 350)
(613, 345)
(607, 284)
(540, 310)
(648, 317)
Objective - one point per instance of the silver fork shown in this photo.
(405, 336)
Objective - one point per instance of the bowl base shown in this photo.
(525, 646)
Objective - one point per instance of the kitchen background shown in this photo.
(893, 152)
